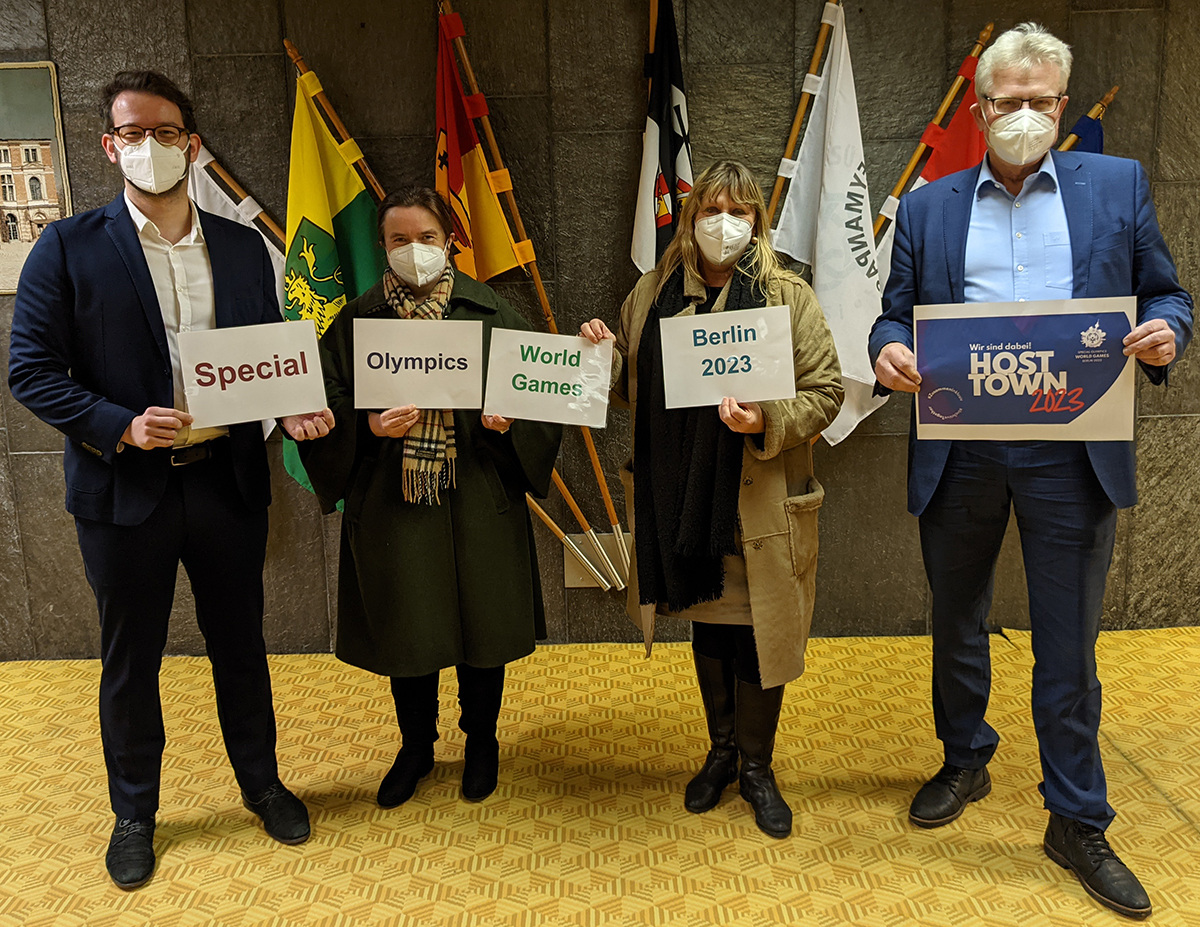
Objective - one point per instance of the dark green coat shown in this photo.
(422, 587)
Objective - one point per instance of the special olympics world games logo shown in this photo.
(945, 403)
(1093, 337)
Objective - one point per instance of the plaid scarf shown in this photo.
(429, 449)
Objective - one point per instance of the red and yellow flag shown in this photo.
(485, 242)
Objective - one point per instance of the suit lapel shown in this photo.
(124, 236)
(222, 260)
(1075, 188)
(956, 220)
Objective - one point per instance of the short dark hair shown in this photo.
(424, 197)
(146, 82)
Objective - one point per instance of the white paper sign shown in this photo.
(746, 354)
(548, 378)
(251, 372)
(432, 365)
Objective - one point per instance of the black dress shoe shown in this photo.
(283, 815)
(411, 766)
(944, 797)
(481, 769)
(130, 857)
(1084, 850)
(703, 792)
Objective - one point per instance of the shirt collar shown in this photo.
(194, 237)
(987, 180)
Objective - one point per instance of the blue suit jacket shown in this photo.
(1117, 250)
(89, 353)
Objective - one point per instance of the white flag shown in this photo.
(209, 196)
(826, 223)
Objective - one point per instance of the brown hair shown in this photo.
(736, 179)
(424, 197)
(146, 82)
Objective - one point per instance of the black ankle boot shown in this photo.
(480, 692)
(720, 767)
(416, 700)
(757, 713)
(1084, 850)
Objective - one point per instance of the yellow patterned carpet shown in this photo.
(588, 827)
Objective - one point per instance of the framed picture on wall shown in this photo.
(34, 190)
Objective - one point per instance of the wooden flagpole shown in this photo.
(334, 120)
(801, 108)
(532, 269)
(361, 163)
(1096, 112)
(240, 192)
(897, 191)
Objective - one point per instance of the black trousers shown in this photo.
(729, 642)
(480, 692)
(203, 523)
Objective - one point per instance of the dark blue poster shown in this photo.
(1051, 370)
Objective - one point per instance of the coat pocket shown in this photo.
(801, 512)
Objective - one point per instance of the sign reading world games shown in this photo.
(1050, 371)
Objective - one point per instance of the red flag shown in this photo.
(958, 146)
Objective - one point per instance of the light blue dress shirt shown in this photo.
(1018, 247)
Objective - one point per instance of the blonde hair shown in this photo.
(1023, 47)
(735, 179)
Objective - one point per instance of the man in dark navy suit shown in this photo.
(100, 304)
(1027, 223)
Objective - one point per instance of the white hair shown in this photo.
(1024, 48)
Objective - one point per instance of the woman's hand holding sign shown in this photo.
(596, 331)
(896, 368)
(743, 417)
(394, 423)
(1152, 343)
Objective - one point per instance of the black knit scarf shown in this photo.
(686, 471)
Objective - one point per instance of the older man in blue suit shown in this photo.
(101, 301)
(1028, 223)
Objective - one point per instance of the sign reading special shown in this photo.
(548, 378)
(432, 365)
(1052, 370)
(251, 372)
(746, 354)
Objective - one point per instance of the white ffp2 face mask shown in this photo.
(417, 263)
(152, 166)
(1022, 137)
(722, 238)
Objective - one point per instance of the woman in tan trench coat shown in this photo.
(722, 501)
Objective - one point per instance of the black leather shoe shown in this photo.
(283, 815)
(944, 797)
(412, 765)
(703, 792)
(1084, 850)
(130, 856)
(481, 768)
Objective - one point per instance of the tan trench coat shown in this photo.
(779, 498)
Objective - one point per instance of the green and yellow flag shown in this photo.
(333, 253)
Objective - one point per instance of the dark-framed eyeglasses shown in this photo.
(165, 135)
(1005, 106)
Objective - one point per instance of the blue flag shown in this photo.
(1091, 135)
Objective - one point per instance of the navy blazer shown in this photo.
(1117, 250)
(89, 353)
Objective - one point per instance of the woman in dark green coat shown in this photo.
(437, 566)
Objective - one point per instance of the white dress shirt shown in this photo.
(182, 275)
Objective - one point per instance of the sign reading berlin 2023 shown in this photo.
(251, 372)
(1051, 370)
(432, 365)
(548, 378)
(746, 354)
